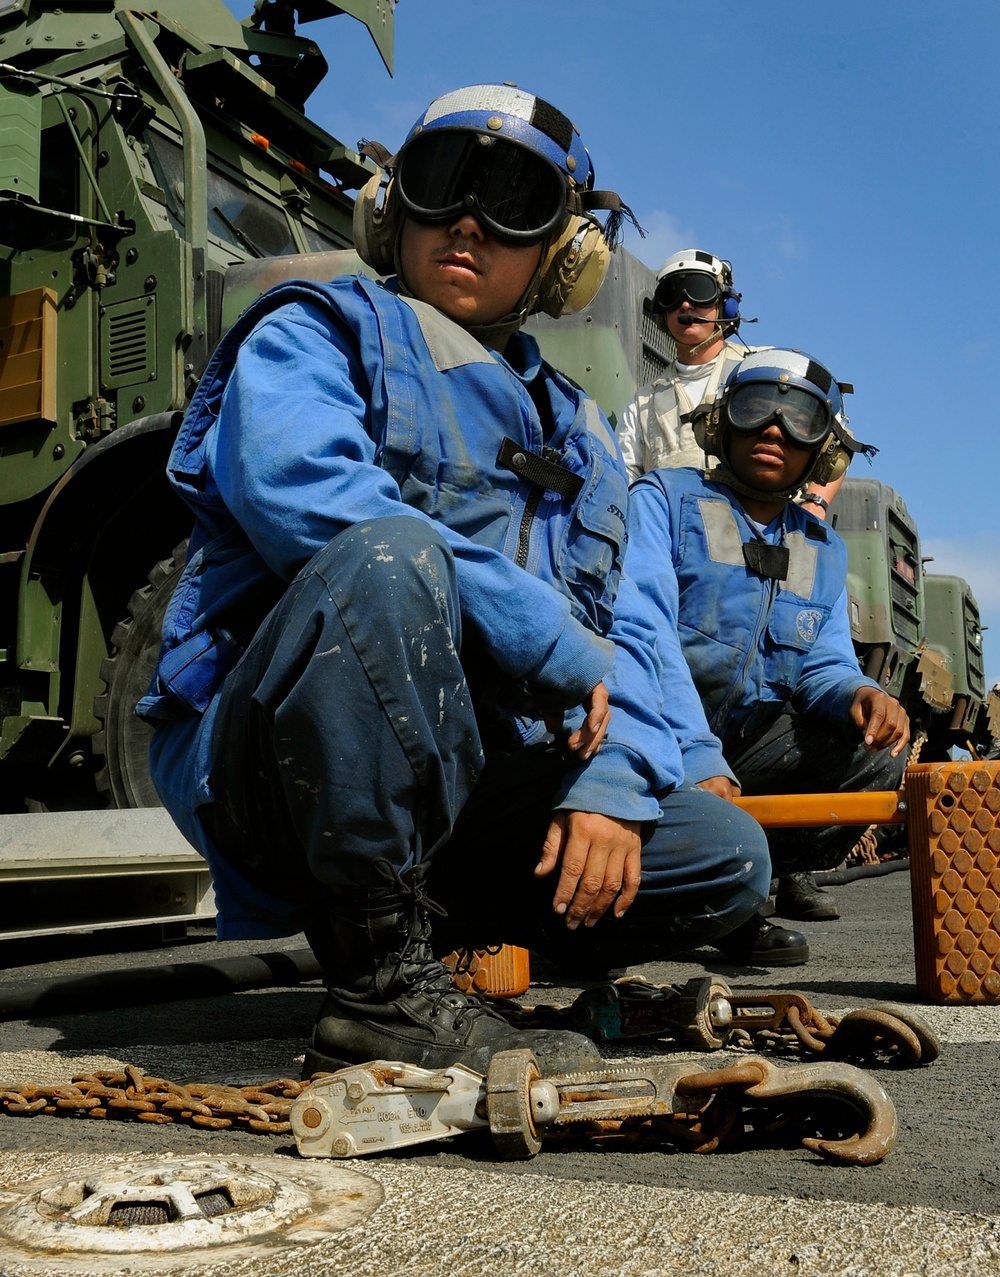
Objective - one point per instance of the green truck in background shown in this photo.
(157, 172)
(917, 633)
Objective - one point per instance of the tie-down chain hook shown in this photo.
(381, 1106)
(707, 1014)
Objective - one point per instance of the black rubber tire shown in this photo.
(123, 741)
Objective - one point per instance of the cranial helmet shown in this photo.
(797, 391)
(701, 278)
(518, 165)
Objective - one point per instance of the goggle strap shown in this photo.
(853, 446)
(377, 152)
(619, 214)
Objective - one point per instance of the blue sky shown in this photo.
(843, 157)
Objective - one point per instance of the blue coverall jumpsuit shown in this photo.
(407, 552)
(773, 670)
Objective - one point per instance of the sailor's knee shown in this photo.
(395, 563)
(749, 858)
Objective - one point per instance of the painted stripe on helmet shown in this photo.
(496, 98)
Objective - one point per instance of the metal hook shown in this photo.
(764, 1081)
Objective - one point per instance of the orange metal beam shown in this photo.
(783, 811)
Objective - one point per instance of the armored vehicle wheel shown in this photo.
(135, 645)
(705, 1014)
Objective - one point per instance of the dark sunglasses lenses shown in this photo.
(804, 418)
(697, 287)
(515, 192)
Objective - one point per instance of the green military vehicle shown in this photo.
(142, 157)
(918, 634)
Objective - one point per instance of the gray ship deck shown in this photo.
(931, 1207)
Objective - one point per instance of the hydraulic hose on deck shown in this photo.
(172, 982)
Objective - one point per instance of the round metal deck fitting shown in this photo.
(149, 1214)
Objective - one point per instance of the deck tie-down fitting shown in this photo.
(383, 1106)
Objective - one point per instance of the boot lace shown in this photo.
(415, 964)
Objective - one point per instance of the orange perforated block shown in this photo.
(504, 973)
(954, 833)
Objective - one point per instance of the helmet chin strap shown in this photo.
(722, 474)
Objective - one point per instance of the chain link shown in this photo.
(108, 1094)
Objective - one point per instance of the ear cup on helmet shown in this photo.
(832, 461)
(376, 224)
(730, 307)
(573, 269)
(705, 428)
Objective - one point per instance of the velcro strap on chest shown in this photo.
(769, 561)
(538, 470)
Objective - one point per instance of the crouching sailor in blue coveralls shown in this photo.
(406, 702)
(766, 695)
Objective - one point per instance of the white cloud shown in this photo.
(665, 234)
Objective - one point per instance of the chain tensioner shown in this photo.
(383, 1106)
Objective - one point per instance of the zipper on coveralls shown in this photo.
(764, 611)
(524, 530)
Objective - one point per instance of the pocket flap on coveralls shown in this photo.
(194, 670)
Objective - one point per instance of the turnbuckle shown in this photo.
(383, 1106)
(707, 1014)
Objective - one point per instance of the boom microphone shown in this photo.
(686, 321)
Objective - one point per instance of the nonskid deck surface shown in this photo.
(931, 1207)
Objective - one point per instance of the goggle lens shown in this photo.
(516, 193)
(804, 418)
(695, 286)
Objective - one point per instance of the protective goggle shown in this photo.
(511, 190)
(695, 286)
(806, 419)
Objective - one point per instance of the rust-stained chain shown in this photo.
(133, 1094)
(709, 1015)
(834, 1109)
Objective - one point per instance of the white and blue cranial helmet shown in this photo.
(505, 155)
(515, 163)
(800, 394)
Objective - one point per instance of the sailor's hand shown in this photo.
(721, 786)
(600, 863)
(586, 740)
(881, 719)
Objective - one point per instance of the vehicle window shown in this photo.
(236, 215)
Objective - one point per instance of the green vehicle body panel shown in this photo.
(141, 156)
(884, 578)
(954, 631)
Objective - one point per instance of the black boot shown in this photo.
(798, 897)
(759, 943)
(390, 998)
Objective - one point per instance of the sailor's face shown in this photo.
(687, 333)
(464, 270)
(767, 459)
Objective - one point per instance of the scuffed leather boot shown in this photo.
(390, 998)
(798, 897)
(759, 943)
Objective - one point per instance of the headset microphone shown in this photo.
(687, 320)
